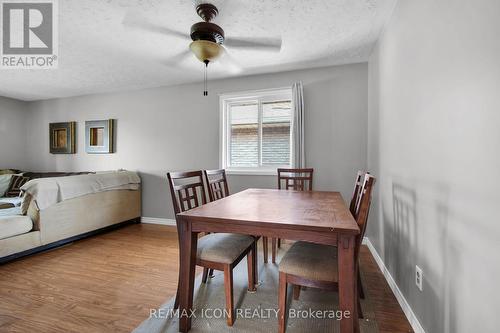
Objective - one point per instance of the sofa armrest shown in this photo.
(34, 214)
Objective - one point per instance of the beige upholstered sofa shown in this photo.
(39, 228)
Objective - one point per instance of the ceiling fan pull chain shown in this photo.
(205, 79)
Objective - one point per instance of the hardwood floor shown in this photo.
(109, 282)
(390, 317)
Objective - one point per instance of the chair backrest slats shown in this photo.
(364, 203)
(295, 179)
(188, 194)
(353, 205)
(217, 184)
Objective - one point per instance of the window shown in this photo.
(256, 131)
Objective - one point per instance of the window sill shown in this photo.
(255, 172)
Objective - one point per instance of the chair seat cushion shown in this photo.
(311, 261)
(14, 225)
(222, 247)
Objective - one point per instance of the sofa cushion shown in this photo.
(10, 211)
(14, 225)
(49, 191)
(14, 201)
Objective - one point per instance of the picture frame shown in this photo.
(100, 136)
(62, 138)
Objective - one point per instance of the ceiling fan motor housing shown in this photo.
(207, 30)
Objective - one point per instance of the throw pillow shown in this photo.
(4, 183)
(15, 185)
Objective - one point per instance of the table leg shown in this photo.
(264, 248)
(188, 245)
(255, 264)
(347, 283)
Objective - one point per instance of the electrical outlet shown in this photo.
(419, 277)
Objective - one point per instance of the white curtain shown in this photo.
(299, 156)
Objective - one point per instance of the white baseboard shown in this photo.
(156, 220)
(412, 318)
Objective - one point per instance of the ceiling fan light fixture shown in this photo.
(206, 51)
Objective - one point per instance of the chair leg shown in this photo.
(228, 285)
(279, 243)
(250, 269)
(264, 248)
(360, 311)
(176, 302)
(205, 275)
(274, 249)
(296, 291)
(282, 302)
(361, 291)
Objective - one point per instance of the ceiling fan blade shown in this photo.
(264, 44)
(176, 60)
(229, 63)
(143, 24)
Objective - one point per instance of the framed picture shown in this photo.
(62, 138)
(99, 136)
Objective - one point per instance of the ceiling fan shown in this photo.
(208, 39)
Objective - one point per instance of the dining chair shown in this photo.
(291, 179)
(218, 188)
(218, 251)
(315, 265)
(353, 208)
(356, 191)
(217, 184)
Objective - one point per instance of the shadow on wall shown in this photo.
(419, 234)
(450, 263)
(404, 233)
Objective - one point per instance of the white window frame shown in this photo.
(260, 96)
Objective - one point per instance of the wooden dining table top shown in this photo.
(302, 210)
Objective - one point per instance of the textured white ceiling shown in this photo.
(97, 53)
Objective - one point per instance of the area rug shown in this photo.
(256, 312)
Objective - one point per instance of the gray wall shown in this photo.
(13, 126)
(434, 101)
(176, 128)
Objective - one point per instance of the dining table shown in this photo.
(320, 217)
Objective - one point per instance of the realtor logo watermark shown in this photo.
(29, 34)
(248, 313)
